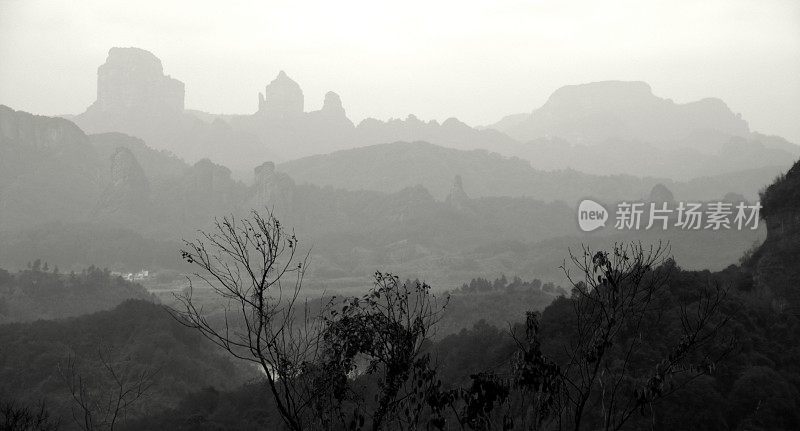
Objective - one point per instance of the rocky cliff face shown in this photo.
(136, 98)
(457, 198)
(157, 165)
(209, 191)
(133, 80)
(37, 132)
(127, 195)
(48, 170)
(271, 190)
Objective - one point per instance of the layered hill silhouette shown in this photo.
(391, 167)
(610, 127)
(416, 208)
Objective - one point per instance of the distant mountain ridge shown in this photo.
(136, 97)
(622, 127)
(599, 111)
(611, 127)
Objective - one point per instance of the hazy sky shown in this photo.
(477, 61)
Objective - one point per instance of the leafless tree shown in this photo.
(101, 402)
(17, 417)
(254, 265)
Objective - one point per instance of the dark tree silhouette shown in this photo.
(353, 364)
(609, 354)
(17, 417)
(618, 300)
(379, 338)
(254, 265)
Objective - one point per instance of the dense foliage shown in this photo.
(42, 292)
(755, 387)
(34, 356)
(783, 194)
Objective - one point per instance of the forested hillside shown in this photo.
(40, 359)
(42, 292)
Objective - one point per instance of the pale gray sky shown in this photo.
(477, 61)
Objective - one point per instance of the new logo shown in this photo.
(591, 215)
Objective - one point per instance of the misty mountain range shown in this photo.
(610, 127)
(121, 184)
(198, 233)
(111, 200)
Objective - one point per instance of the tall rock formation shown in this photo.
(132, 80)
(136, 98)
(332, 106)
(282, 98)
(126, 196)
(457, 198)
(271, 190)
(209, 190)
(330, 125)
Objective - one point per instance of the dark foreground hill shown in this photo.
(756, 386)
(136, 335)
(776, 264)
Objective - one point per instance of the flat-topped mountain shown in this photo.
(599, 111)
(133, 80)
(136, 97)
(622, 127)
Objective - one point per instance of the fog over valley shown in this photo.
(478, 216)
